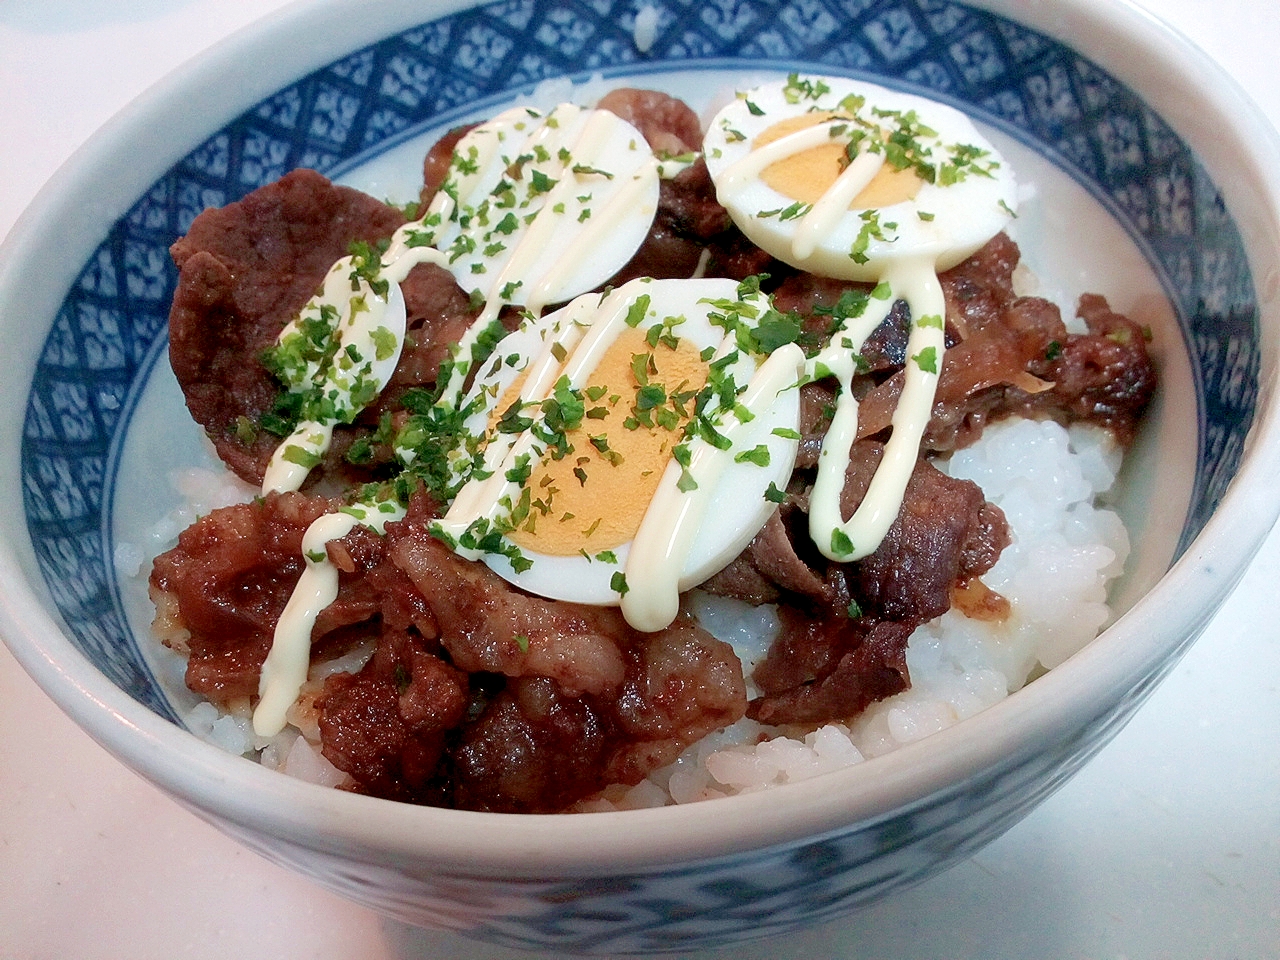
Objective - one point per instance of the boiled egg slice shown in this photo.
(631, 444)
(844, 178)
(537, 209)
(338, 353)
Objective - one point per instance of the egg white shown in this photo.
(538, 209)
(941, 224)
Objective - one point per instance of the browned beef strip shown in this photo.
(1005, 355)
(587, 700)
(979, 289)
(772, 554)
(231, 574)
(461, 656)
(910, 575)
(536, 749)
(488, 626)
(813, 298)
(681, 684)
(817, 405)
(690, 223)
(386, 726)
(986, 538)
(668, 250)
(945, 532)
(669, 125)
(832, 660)
(1104, 377)
(825, 668)
(741, 579)
(438, 314)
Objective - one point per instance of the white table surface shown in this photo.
(1166, 846)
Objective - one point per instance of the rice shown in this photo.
(1066, 548)
(1051, 482)
(646, 28)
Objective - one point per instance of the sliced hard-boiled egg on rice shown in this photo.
(537, 209)
(633, 443)
(844, 178)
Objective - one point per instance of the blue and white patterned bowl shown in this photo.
(1153, 173)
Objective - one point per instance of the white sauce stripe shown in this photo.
(864, 531)
(964, 196)
(285, 669)
(659, 554)
(547, 209)
(371, 328)
(698, 549)
(834, 204)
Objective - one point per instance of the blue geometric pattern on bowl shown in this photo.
(1028, 85)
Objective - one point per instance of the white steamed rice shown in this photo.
(1066, 548)
(1050, 482)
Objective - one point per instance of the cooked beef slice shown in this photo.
(231, 574)
(1005, 355)
(477, 695)
(246, 269)
(831, 668)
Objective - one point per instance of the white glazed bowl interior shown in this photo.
(497, 876)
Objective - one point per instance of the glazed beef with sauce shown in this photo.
(231, 574)
(480, 696)
(1005, 355)
(246, 269)
(477, 695)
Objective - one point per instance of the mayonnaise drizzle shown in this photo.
(903, 253)
(913, 279)
(368, 324)
(573, 147)
(593, 325)
(285, 669)
(573, 158)
(658, 554)
(480, 498)
(834, 204)
(917, 284)
(662, 545)
(742, 172)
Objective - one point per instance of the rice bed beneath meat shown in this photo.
(1050, 481)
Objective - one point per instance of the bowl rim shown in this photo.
(237, 791)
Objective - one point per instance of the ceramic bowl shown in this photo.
(1153, 180)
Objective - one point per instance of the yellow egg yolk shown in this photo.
(807, 175)
(594, 498)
